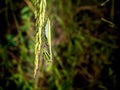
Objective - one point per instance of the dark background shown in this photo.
(85, 44)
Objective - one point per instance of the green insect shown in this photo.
(43, 48)
(47, 50)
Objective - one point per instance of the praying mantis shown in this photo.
(43, 48)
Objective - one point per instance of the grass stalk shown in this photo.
(41, 51)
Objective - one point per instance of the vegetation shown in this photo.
(85, 45)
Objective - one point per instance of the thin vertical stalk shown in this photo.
(40, 49)
(112, 9)
(40, 19)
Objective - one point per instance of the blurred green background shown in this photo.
(85, 44)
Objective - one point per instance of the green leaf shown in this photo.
(25, 9)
